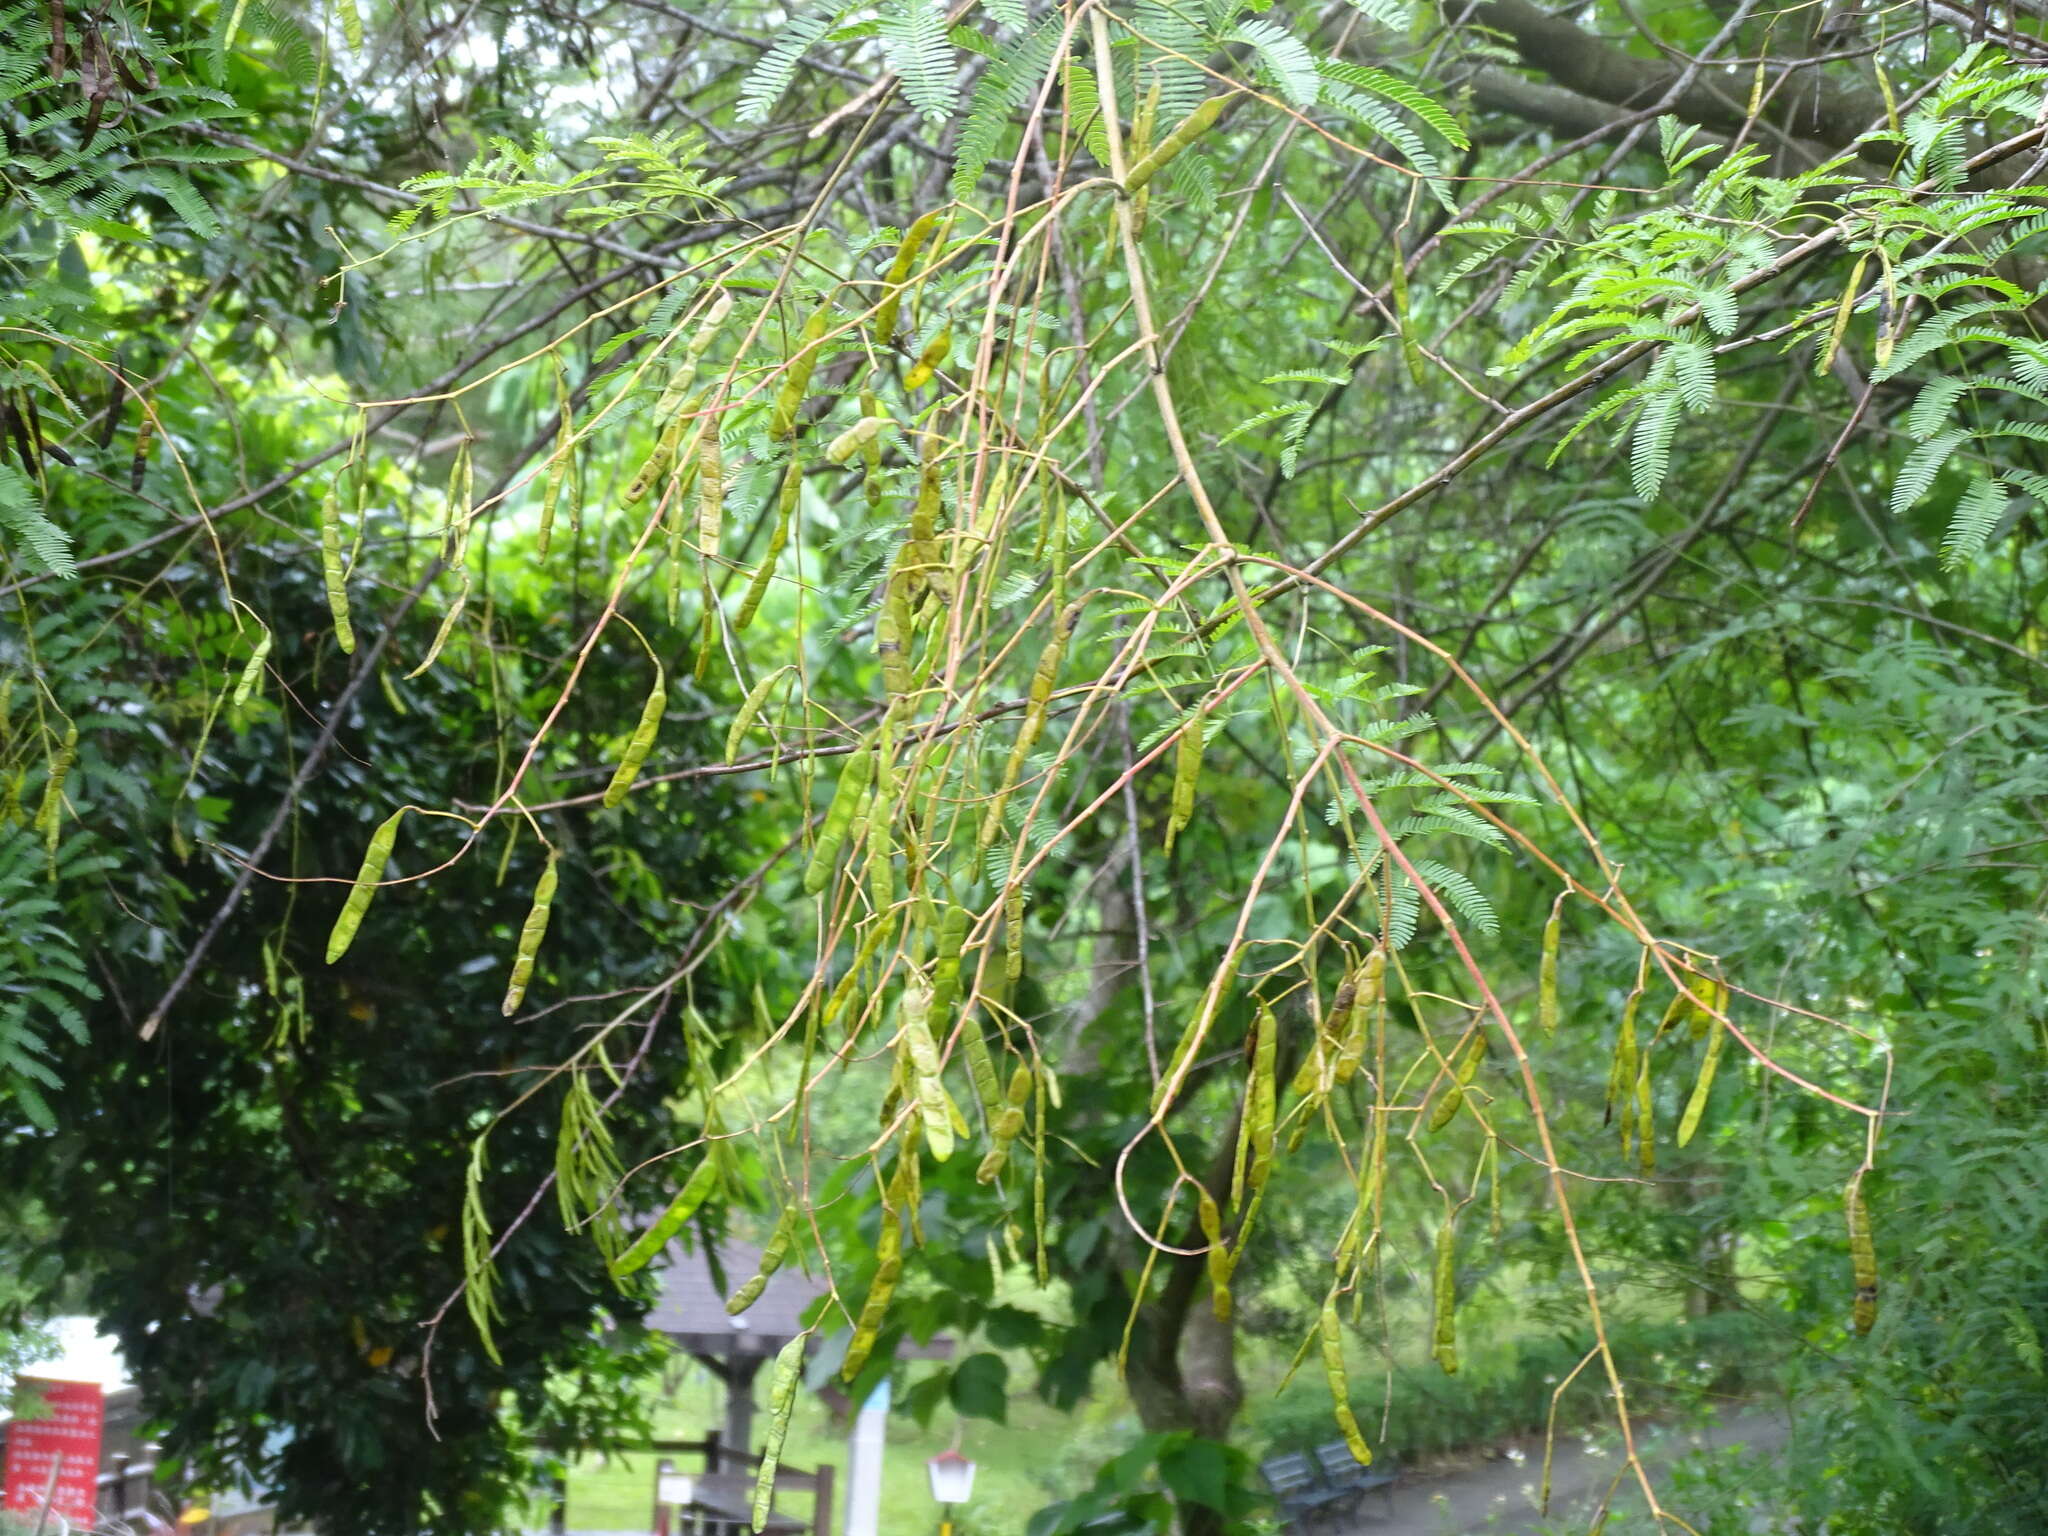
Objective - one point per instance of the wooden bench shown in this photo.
(1308, 1482)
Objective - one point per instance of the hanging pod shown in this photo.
(640, 743)
(531, 933)
(375, 857)
(853, 783)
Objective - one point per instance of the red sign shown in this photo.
(54, 1419)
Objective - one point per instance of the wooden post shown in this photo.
(821, 1509)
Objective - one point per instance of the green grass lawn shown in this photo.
(1038, 1456)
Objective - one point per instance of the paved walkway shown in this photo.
(1499, 1497)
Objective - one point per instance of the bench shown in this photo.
(1307, 1482)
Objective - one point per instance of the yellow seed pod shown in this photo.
(252, 669)
(710, 484)
(1217, 1259)
(922, 1054)
(854, 438)
(930, 359)
(853, 784)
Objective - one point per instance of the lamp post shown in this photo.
(952, 1478)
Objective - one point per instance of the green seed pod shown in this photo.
(853, 783)
(331, 569)
(1546, 974)
(930, 359)
(1448, 1106)
(50, 811)
(1332, 1335)
(1255, 1160)
(946, 974)
(710, 484)
(640, 743)
(558, 461)
(1862, 1255)
(1189, 129)
(1621, 1074)
(854, 438)
(899, 274)
(531, 933)
(893, 624)
(445, 628)
(771, 1261)
(703, 1179)
(1370, 989)
(1218, 1258)
(1444, 1343)
(785, 511)
(922, 1051)
(375, 857)
(1037, 704)
(867, 1326)
(1008, 1126)
(1646, 1142)
(1696, 1106)
(750, 707)
(252, 669)
(781, 1405)
(796, 378)
(1187, 770)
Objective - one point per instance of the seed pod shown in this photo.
(899, 273)
(854, 438)
(651, 467)
(640, 743)
(1862, 1255)
(929, 359)
(444, 630)
(933, 1106)
(946, 970)
(796, 378)
(1333, 1372)
(1037, 703)
(1255, 1161)
(1444, 1344)
(771, 1261)
(853, 783)
(1217, 1259)
(1187, 769)
(1369, 990)
(703, 1179)
(892, 634)
(375, 857)
(1008, 1126)
(50, 811)
(252, 669)
(882, 930)
(1621, 1075)
(1710, 998)
(785, 511)
(1013, 931)
(1546, 983)
(1646, 1141)
(1696, 1106)
(1189, 129)
(710, 484)
(888, 1270)
(531, 933)
(331, 569)
(750, 707)
(558, 461)
(781, 1404)
(1454, 1100)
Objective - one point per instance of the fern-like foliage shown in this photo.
(769, 80)
(1010, 82)
(43, 982)
(914, 41)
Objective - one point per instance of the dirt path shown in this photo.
(1499, 1497)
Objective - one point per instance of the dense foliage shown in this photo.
(1164, 679)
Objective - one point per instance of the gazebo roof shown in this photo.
(691, 1307)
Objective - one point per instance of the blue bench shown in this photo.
(1308, 1482)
